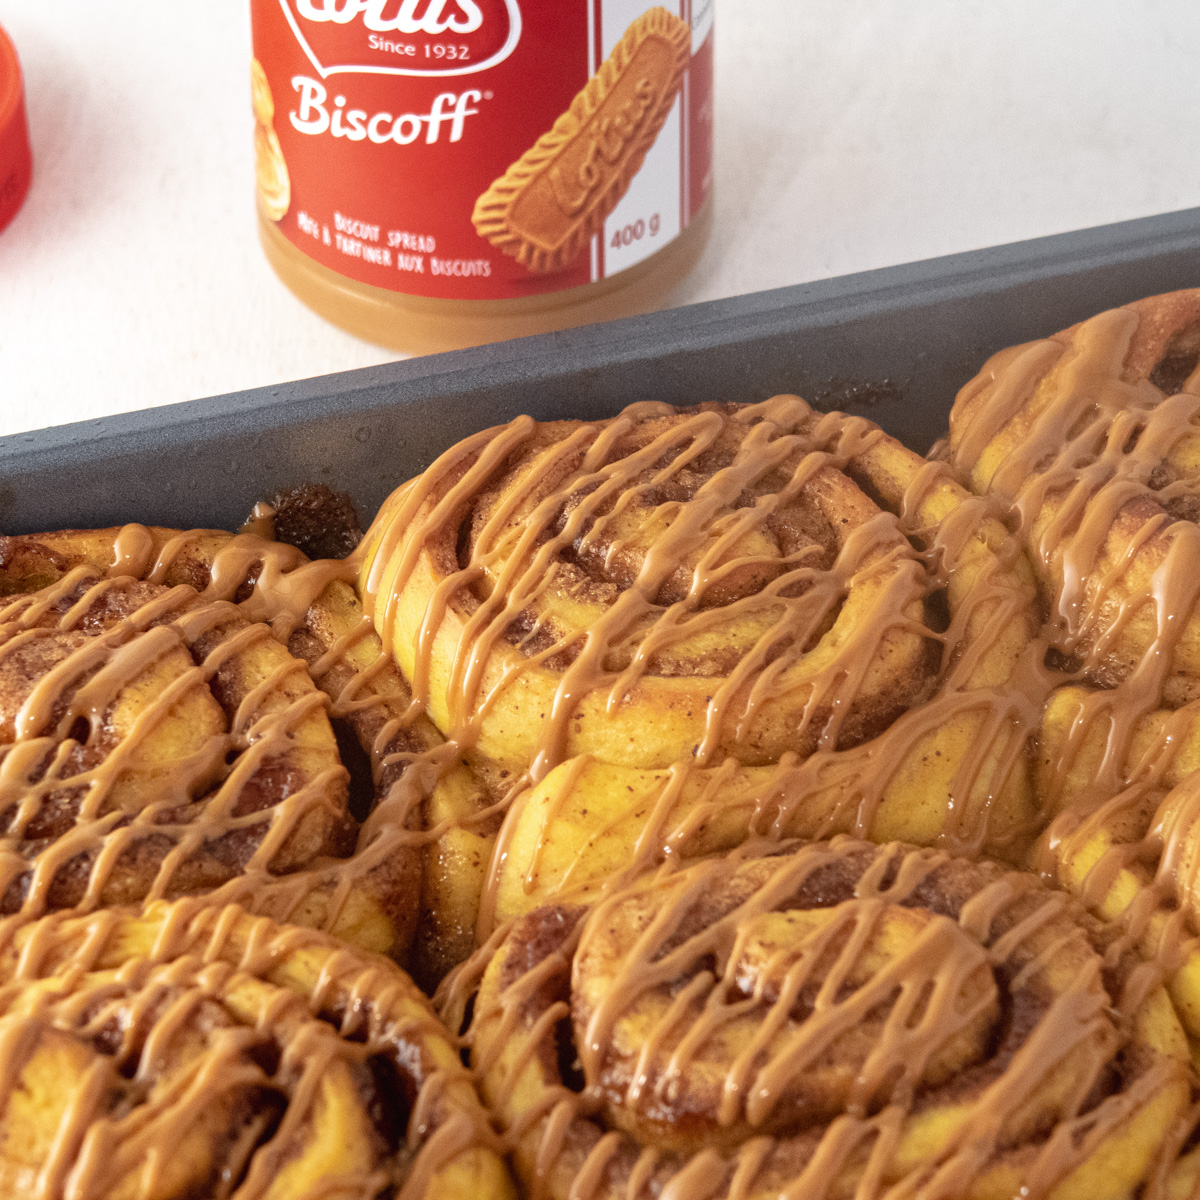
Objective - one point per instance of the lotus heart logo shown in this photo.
(404, 37)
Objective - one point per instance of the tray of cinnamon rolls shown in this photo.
(749, 752)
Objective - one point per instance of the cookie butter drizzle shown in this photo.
(133, 833)
(65, 754)
(116, 617)
(195, 1050)
(994, 670)
(1100, 469)
(710, 1004)
(480, 631)
(992, 674)
(786, 604)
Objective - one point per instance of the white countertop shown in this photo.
(850, 134)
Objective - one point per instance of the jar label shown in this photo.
(482, 149)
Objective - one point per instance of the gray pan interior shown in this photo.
(895, 343)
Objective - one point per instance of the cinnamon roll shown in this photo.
(664, 585)
(192, 1050)
(163, 731)
(839, 1019)
(1089, 438)
(780, 615)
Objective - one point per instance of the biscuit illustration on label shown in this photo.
(547, 205)
(270, 171)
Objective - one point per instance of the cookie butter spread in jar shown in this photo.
(440, 173)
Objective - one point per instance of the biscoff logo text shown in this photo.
(316, 116)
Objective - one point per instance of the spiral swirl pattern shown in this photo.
(1090, 438)
(736, 618)
(165, 729)
(545, 588)
(839, 1019)
(195, 1051)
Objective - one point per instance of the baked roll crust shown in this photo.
(1090, 439)
(839, 1019)
(761, 596)
(167, 701)
(549, 588)
(192, 1050)
(1090, 436)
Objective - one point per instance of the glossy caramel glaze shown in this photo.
(1090, 441)
(195, 1051)
(158, 738)
(834, 1019)
(544, 586)
(639, 657)
(796, 624)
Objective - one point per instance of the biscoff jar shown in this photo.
(441, 173)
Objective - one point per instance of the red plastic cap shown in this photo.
(16, 161)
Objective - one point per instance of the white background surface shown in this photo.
(850, 134)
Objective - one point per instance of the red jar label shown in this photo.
(482, 149)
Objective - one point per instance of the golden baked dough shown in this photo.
(545, 588)
(160, 739)
(838, 1019)
(659, 633)
(613, 697)
(673, 593)
(196, 1051)
(1090, 439)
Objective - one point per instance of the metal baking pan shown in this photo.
(895, 344)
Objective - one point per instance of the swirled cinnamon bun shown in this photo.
(781, 605)
(837, 1020)
(655, 587)
(1134, 854)
(163, 731)
(1090, 439)
(194, 1051)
